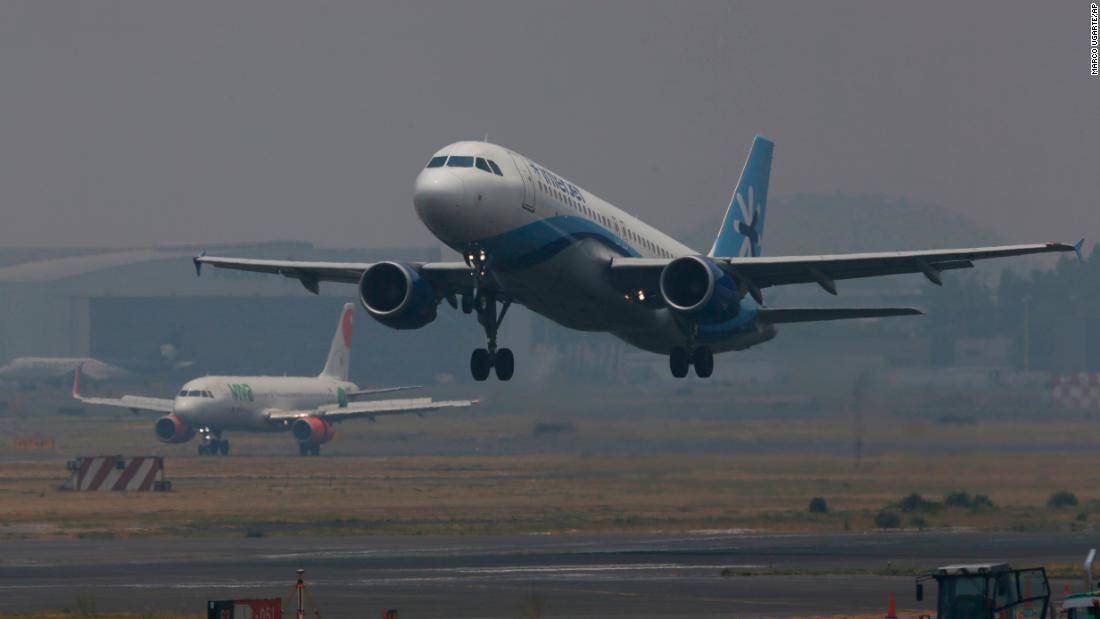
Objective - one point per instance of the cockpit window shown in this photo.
(495, 167)
(460, 162)
(183, 394)
(195, 394)
(437, 162)
(482, 165)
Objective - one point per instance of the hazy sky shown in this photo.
(131, 123)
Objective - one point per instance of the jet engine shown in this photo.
(312, 431)
(699, 289)
(172, 429)
(397, 296)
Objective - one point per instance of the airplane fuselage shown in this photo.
(49, 368)
(243, 402)
(550, 243)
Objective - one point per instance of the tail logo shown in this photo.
(749, 226)
(345, 327)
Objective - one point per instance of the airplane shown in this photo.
(528, 235)
(306, 406)
(27, 370)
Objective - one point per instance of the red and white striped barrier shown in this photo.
(104, 473)
(1079, 391)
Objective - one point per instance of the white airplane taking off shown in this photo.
(529, 236)
(307, 406)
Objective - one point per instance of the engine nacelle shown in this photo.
(312, 431)
(396, 296)
(172, 429)
(701, 290)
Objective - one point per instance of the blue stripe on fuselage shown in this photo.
(743, 322)
(536, 242)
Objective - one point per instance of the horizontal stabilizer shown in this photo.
(816, 314)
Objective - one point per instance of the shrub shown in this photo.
(887, 520)
(919, 522)
(916, 503)
(1082, 517)
(981, 502)
(957, 499)
(1062, 498)
(818, 506)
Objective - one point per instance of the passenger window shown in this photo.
(437, 162)
(460, 162)
(483, 165)
(495, 167)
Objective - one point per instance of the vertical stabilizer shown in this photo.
(340, 353)
(742, 231)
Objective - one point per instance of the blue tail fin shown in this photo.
(742, 231)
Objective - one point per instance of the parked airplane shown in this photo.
(306, 406)
(529, 236)
(28, 370)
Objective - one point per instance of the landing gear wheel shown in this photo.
(703, 360)
(204, 450)
(223, 448)
(467, 303)
(678, 362)
(480, 363)
(303, 449)
(316, 451)
(505, 364)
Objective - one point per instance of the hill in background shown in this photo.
(838, 223)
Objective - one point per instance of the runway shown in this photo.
(655, 575)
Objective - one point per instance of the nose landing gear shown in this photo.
(212, 444)
(482, 360)
(701, 357)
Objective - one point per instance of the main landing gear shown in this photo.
(213, 445)
(701, 357)
(307, 449)
(490, 358)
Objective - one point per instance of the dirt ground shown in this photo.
(509, 473)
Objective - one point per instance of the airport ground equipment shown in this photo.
(989, 591)
(245, 609)
(105, 473)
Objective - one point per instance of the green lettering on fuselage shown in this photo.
(241, 391)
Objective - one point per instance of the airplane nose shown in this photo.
(438, 194)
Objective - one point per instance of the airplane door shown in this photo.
(528, 183)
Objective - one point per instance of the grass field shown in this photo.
(501, 476)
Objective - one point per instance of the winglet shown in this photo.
(1077, 250)
(198, 263)
(76, 381)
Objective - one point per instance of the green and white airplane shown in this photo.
(306, 406)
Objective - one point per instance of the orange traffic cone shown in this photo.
(892, 609)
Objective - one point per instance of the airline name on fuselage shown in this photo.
(556, 181)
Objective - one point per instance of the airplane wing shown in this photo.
(362, 393)
(455, 275)
(372, 409)
(631, 274)
(136, 403)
